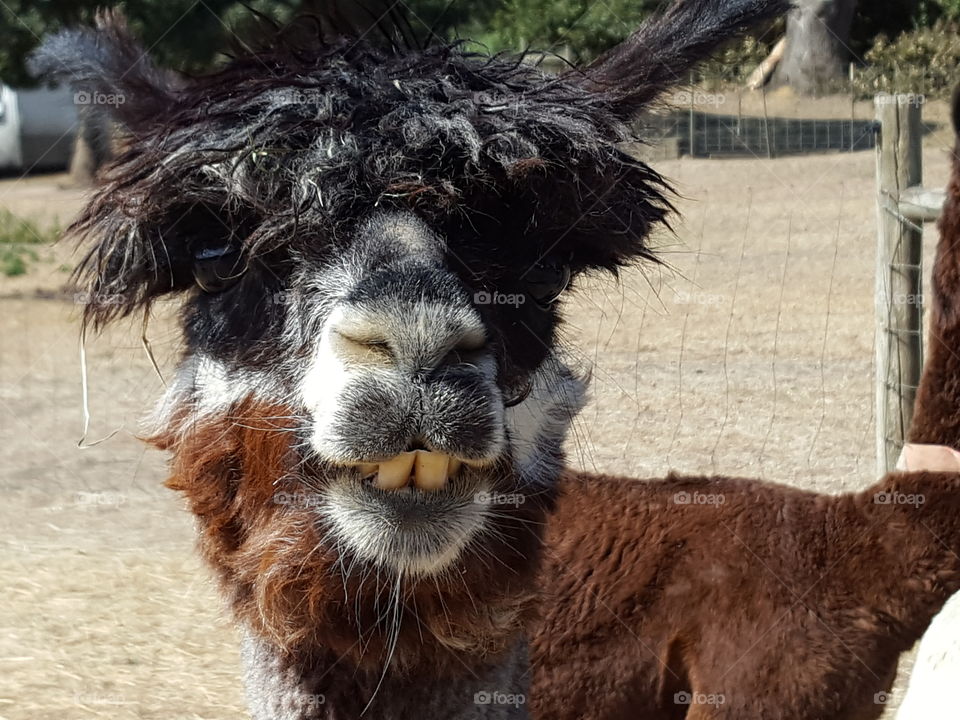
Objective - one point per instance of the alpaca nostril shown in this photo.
(373, 342)
(417, 342)
(462, 356)
(408, 323)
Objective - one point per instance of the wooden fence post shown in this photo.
(898, 299)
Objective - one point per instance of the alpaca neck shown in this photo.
(909, 562)
(936, 418)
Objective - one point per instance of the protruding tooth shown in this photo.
(454, 467)
(395, 472)
(367, 468)
(430, 470)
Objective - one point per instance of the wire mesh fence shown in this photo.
(718, 115)
(705, 134)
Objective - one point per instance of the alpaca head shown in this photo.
(374, 244)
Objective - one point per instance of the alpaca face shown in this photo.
(421, 407)
(405, 386)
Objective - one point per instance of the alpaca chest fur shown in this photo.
(325, 689)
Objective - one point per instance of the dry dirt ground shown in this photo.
(752, 355)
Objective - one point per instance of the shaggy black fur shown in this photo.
(287, 147)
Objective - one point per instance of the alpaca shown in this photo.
(371, 245)
(731, 598)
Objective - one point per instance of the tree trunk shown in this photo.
(758, 78)
(816, 52)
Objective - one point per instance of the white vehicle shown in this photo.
(37, 128)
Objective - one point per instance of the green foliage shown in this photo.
(12, 262)
(948, 8)
(451, 18)
(734, 63)
(183, 34)
(922, 61)
(19, 239)
(890, 17)
(188, 35)
(587, 28)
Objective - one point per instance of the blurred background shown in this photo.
(750, 352)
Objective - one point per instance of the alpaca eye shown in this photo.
(547, 280)
(217, 266)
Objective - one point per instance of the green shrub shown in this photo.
(949, 8)
(587, 28)
(922, 61)
(19, 239)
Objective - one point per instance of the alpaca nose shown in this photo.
(389, 372)
(417, 339)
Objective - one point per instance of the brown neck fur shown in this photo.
(936, 418)
(935, 525)
(905, 546)
(286, 581)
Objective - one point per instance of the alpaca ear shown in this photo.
(658, 55)
(106, 66)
